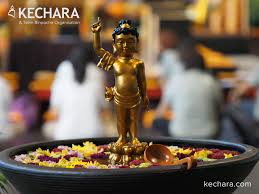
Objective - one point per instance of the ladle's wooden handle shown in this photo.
(189, 161)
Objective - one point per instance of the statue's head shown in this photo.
(125, 38)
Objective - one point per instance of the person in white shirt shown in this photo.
(77, 97)
(169, 56)
(195, 98)
(5, 101)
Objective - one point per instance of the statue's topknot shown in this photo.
(125, 27)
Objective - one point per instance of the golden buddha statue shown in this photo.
(129, 92)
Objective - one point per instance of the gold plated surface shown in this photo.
(129, 93)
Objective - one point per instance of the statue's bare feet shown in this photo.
(135, 141)
(120, 142)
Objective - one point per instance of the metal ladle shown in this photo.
(159, 154)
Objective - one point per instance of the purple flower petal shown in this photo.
(99, 156)
(55, 150)
(135, 162)
(43, 158)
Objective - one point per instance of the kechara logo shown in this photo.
(43, 12)
(11, 11)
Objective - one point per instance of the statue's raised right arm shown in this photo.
(107, 59)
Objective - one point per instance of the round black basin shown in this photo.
(210, 177)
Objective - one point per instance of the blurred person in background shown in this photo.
(245, 85)
(194, 96)
(242, 87)
(171, 66)
(24, 112)
(5, 101)
(77, 97)
(169, 56)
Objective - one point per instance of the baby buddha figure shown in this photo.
(129, 92)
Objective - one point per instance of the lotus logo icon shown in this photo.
(11, 11)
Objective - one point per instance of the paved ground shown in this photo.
(253, 177)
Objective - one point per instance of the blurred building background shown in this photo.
(227, 33)
(31, 50)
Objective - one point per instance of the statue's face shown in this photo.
(125, 44)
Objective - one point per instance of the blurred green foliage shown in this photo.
(254, 12)
(5, 186)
